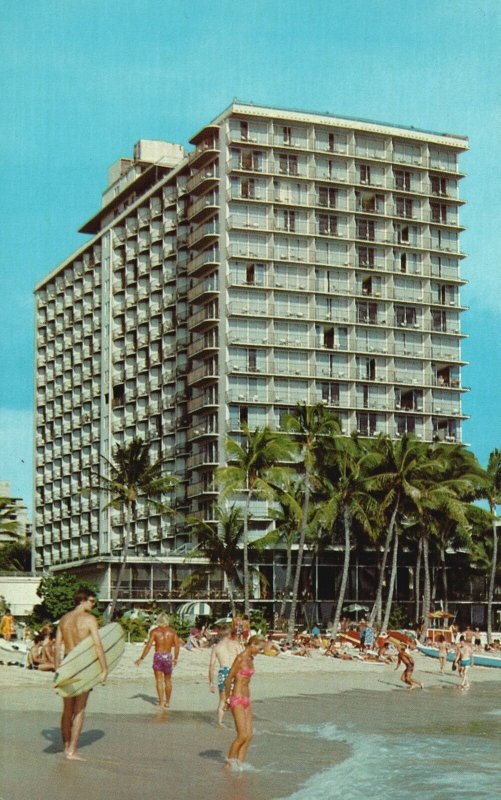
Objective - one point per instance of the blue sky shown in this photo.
(82, 80)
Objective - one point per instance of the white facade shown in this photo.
(291, 257)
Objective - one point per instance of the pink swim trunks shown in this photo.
(162, 662)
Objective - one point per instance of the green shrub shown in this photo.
(398, 618)
(56, 593)
(136, 629)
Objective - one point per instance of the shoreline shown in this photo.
(133, 748)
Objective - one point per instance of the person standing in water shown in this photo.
(223, 654)
(406, 659)
(238, 701)
(442, 652)
(73, 628)
(464, 658)
(165, 640)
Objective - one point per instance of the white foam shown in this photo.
(410, 765)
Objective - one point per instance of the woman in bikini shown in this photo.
(238, 700)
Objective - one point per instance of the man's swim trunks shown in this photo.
(221, 678)
(162, 662)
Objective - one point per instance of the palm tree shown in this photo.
(221, 544)
(392, 479)
(350, 463)
(314, 426)
(15, 556)
(251, 470)
(288, 518)
(493, 495)
(131, 479)
(8, 509)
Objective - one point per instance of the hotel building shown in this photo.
(288, 257)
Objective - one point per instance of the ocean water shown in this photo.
(439, 744)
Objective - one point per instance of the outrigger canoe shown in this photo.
(479, 659)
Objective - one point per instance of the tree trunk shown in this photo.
(300, 550)
(444, 579)
(229, 584)
(125, 551)
(391, 588)
(427, 587)
(378, 603)
(246, 553)
(492, 580)
(287, 586)
(417, 582)
(346, 567)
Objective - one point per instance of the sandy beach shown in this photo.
(133, 750)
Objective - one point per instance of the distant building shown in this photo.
(18, 515)
(290, 257)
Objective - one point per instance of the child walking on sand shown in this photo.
(405, 658)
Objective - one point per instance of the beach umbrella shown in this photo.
(355, 607)
(441, 615)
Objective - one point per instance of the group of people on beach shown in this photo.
(231, 666)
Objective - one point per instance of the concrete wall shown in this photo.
(20, 593)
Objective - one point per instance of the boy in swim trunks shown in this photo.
(223, 654)
(165, 640)
(465, 661)
(406, 659)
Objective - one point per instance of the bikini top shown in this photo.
(246, 672)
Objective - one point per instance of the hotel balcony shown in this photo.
(205, 206)
(205, 259)
(203, 234)
(205, 179)
(204, 289)
(207, 317)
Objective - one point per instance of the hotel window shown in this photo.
(364, 174)
(327, 224)
(366, 423)
(402, 180)
(405, 315)
(327, 197)
(370, 202)
(367, 313)
(287, 135)
(366, 257)
(287, 164)
(288, 220)
(402, 234)
(366, 368)
(366, 229)
(438, 212)
(438, 185)
(244, 131)
(329, 393)
(248, 188)
(403, 207)
(251, 159)
(332, 142)
(439, 320)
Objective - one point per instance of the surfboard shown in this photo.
(80, 670)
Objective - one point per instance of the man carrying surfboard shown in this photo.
(73, 628)
(164, 638)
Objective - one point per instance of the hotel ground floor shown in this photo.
(176, 580)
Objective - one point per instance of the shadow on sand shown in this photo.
(148, 698)
(53, 735)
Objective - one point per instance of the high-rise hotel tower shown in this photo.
(290, 257)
